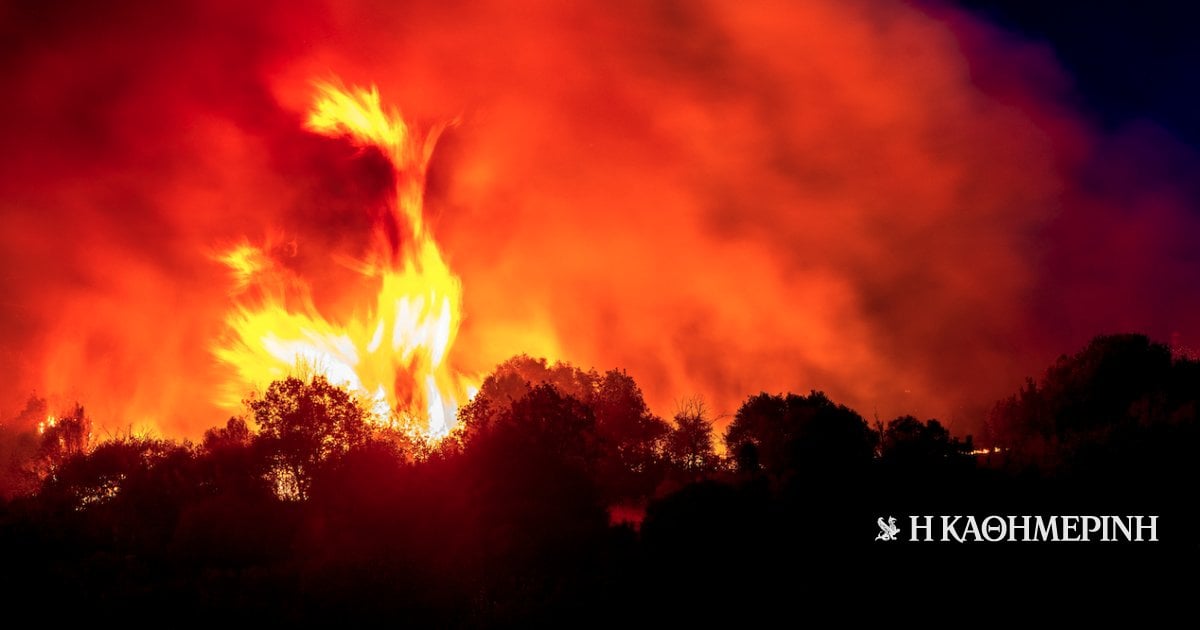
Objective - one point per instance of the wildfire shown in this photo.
(394, 354)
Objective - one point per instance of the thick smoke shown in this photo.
(896, 206)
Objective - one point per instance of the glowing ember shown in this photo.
(394, 355)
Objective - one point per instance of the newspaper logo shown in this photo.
(888, 530)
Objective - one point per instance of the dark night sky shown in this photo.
(1129, 60)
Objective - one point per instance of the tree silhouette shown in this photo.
(689, 445)
(1117, 381)
(908, 443)
(99, 475)
(513, 380)
(63, 437)
(230, 461)
(628, 436)
(553, 421)
(794, 432)
(532, 477)
(631, 436)
(235, 434)
(302, 424)
(745, 458)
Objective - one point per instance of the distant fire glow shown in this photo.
(394, 352)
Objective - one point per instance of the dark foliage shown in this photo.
(625, 438)
(313, 516)
(689, 443)
(793, 433)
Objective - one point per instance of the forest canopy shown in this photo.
(560, 487)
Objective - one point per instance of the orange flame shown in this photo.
(394, 355)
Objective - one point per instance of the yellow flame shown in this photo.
(358, 115)
(393, 355)
(245, 262)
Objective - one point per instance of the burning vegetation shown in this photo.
(394, 351)
(382, 306)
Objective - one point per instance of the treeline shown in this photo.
(563, 495)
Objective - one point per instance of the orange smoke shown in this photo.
(865, 198)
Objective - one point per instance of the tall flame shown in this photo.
(394, 355)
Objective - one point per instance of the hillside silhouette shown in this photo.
(563, 499)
